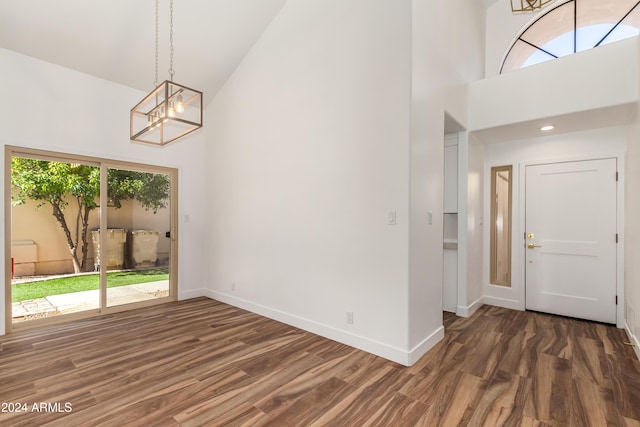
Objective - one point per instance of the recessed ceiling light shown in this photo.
(546, 128)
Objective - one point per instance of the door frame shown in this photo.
(518, 249)
(104, 163)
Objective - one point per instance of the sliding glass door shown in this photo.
(54, 204)
(138, 235)
(88, 236)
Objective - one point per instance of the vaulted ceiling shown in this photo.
(115, 39)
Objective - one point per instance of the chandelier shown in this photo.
(171, 110)
(528, 5)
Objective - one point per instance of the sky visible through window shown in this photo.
(586, 38)
(571, 26)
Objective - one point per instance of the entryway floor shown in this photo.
(86, 300)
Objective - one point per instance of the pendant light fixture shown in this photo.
(528, 5)
(171, 110)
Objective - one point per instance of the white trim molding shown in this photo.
(470, 309)
(504, 302)
(386, 351)
(633, 340)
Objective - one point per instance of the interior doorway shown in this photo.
(453, 138)
(571, 238)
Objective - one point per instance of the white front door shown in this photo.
(570, 239)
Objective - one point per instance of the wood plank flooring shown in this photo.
(203, 363)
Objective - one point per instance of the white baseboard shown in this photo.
(633, 339)
(427, 344)
(503, 302)
(370, 346)
(470, 309)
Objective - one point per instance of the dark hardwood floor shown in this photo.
(203, 363)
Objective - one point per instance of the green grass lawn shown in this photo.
(84, 282)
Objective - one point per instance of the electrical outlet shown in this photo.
(350, 317)
(233, 287)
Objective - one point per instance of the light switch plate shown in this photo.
(391, 219)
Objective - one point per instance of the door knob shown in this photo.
(531, 246)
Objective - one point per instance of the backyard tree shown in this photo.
(56, 183)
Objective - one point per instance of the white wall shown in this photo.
(604, 142)
(447, 49)
(632, 235)
(595, 79)
(502, 28)
(470, 219)
(474, 228)
(57, 109)
(333, 120)
(447, 53)
(309, 148)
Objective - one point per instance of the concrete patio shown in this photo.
(86, 300)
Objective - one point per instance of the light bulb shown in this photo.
(172, 109)
(155, 118)
(179, 104)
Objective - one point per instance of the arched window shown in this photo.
(572, 26)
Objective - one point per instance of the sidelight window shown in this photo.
(501, 178)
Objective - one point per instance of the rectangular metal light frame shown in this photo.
(166, 128)
(528, 5)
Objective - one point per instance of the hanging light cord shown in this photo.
(177, 110)
(155, 82)
(171, 70)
